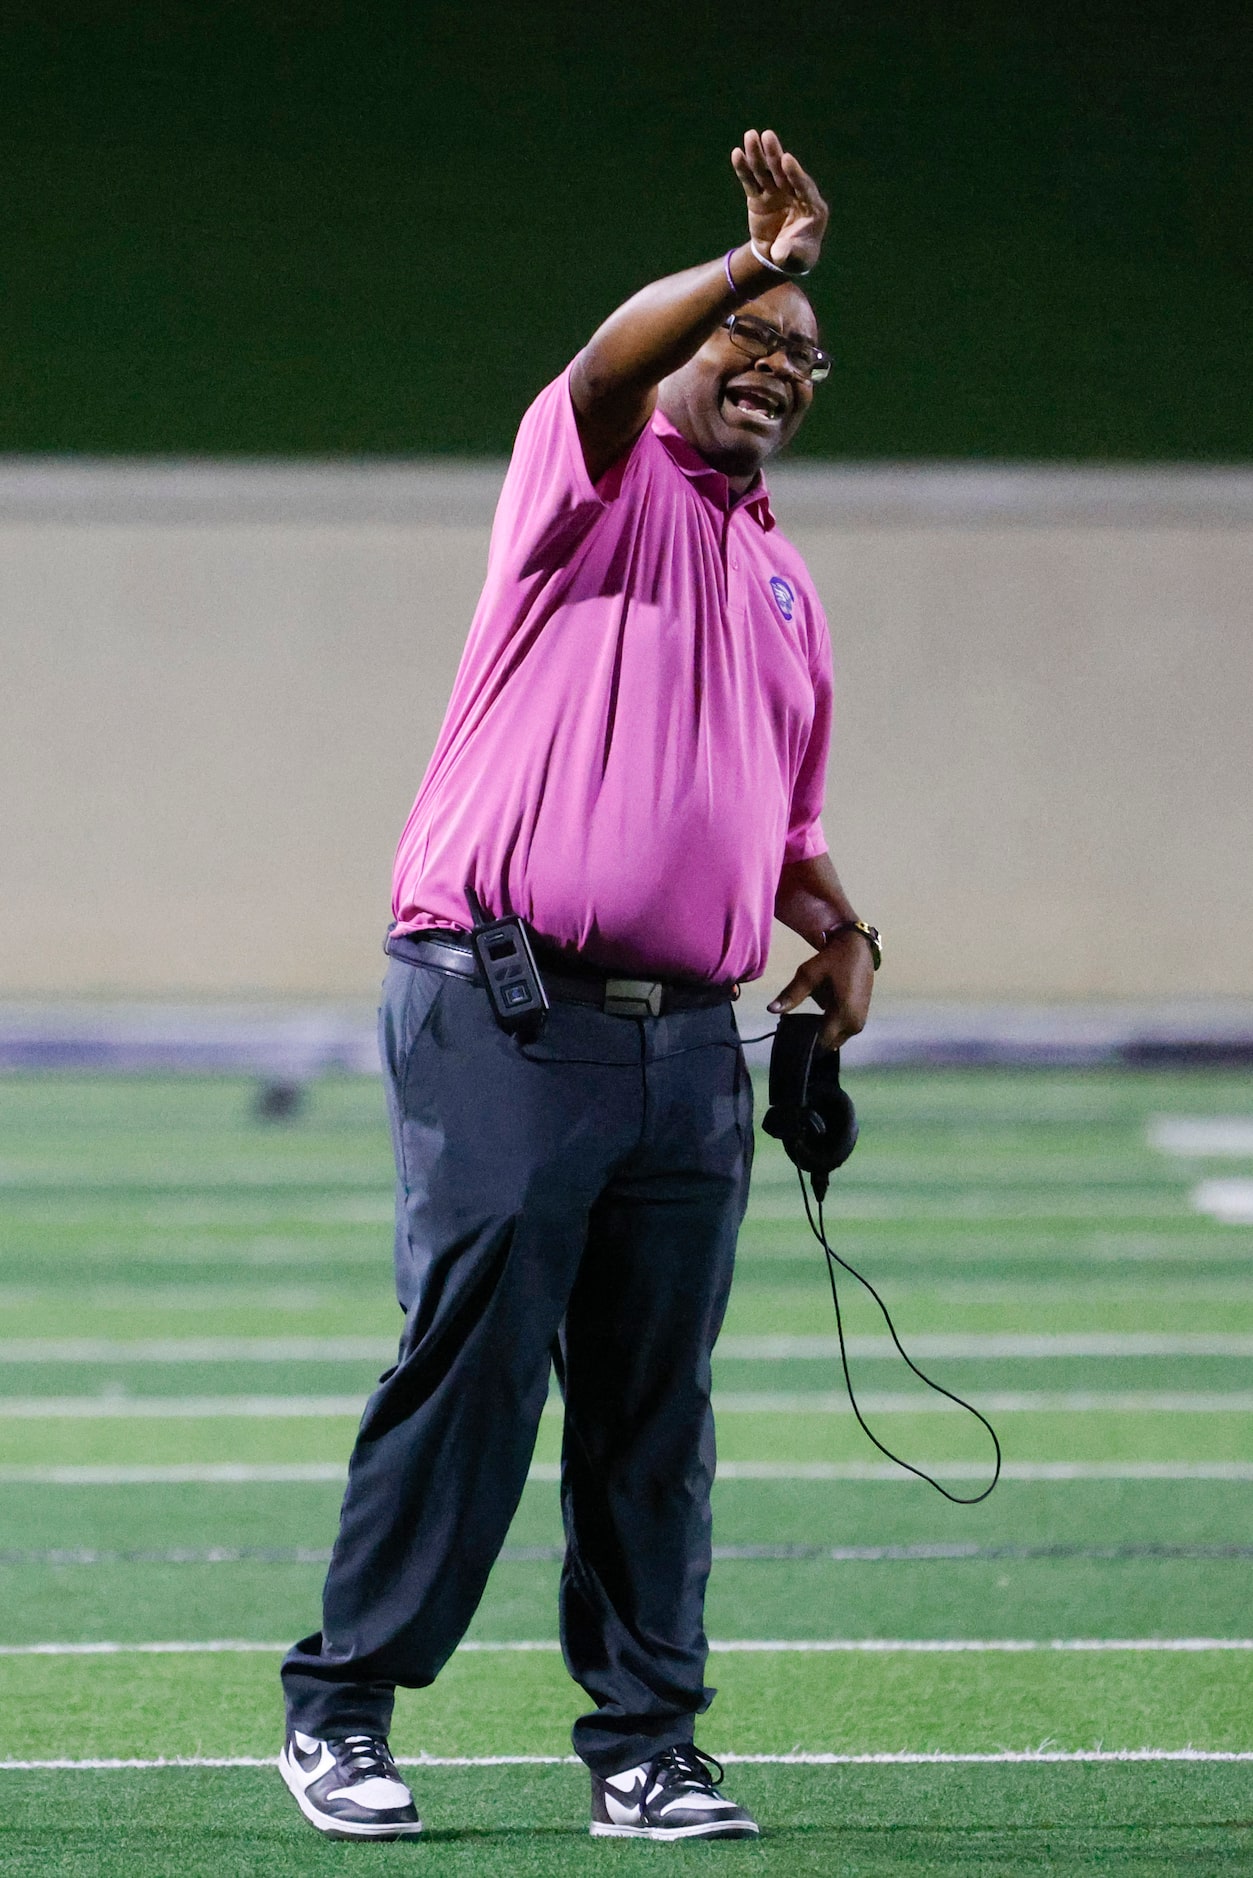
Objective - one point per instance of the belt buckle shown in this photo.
(633, 997)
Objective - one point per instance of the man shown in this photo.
(632, 761)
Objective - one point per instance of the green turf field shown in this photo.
(194, 1304)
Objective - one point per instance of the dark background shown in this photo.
(269, 228)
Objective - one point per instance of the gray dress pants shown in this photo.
(573, 1201)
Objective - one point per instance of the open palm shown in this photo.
(787, 217)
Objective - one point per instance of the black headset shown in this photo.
(809, 1112)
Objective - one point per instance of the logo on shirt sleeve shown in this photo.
(784, 595)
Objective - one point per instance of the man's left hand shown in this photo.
(840, 978)
(787, 217)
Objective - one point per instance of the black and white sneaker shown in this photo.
(349, 1789)
(673, 1796)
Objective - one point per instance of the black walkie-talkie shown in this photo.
(514, 985)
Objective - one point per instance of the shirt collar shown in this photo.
(710, 481)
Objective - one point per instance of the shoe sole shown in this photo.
(734, 1829)
(339, 1828)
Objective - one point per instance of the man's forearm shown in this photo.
(659, 328)
(614, 380)
(810, 899)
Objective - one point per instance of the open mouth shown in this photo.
(761, 401)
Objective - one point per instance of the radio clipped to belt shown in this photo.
(514, 985)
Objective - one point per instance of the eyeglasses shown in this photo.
(759, 340)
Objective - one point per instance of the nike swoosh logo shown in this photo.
(625, 1807)
(315, 1761)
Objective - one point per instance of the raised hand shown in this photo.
(787, 217)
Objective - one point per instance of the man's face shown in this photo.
(739, 411)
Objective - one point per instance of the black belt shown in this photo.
(617, 997)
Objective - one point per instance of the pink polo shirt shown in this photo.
(637, 736)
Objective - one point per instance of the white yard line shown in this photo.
(1005, 1756)
(279, 1473)
(203, 1349)
(179, 1408)
(174, 1474)
(992, 1402)
(1229, 1201)
(1022, 1757)
(977, 1646)
(1153, 1205)
(1218, 1137)
(1136, 1243)
(809, 1402)
(194, 1303)
(974, 1346)
(1053, 1471)
(217, 1646)
(738, 1646)
(987, 1346)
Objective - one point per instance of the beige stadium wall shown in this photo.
(219, 686)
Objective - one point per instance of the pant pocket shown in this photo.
(410, 996)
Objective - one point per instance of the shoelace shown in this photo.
(366, 1756)
(686, 1765)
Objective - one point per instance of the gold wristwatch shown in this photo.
(871, 934)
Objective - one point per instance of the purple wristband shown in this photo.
(730, 276)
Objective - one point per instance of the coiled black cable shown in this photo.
(833, 1258)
